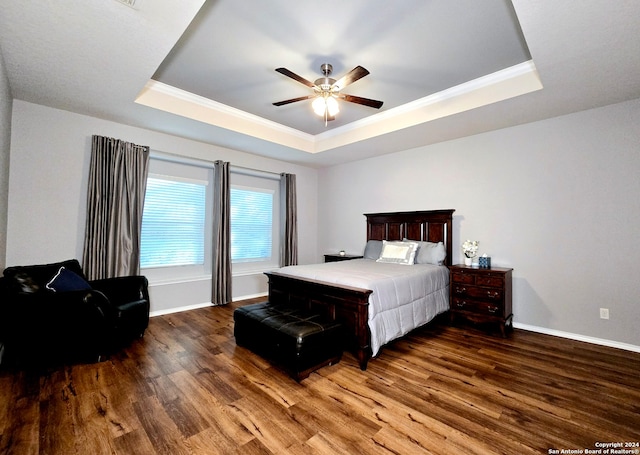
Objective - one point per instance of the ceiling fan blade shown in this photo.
(295, 77)
(357, 73)
(364, 101)
(293, 100)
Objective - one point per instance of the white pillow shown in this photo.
(398, 252)
(430, 253)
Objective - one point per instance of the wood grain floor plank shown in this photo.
(161, 430)
(227, 429)
(263, 423)
(21, 432)
(253, 447)
(317, 413)
(327, 444)
(211, 441)
(135, 441)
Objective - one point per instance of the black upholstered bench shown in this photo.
(296, 340)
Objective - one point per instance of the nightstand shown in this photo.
(481, 294)
(337, 257)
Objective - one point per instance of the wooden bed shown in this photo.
(348, 304)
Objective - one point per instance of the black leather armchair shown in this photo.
(51, 314)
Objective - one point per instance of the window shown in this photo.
(251, 225)
(255, 211)
(176, 224)
(173, 223)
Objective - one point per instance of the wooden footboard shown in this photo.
(348, 305)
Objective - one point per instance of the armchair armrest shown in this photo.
(124, 289)
(129, 303)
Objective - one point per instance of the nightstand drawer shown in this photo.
(478, 292)
(463, 278)
(472, 306)
(480, 280)
(495, 281)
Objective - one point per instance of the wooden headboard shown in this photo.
(427, 226)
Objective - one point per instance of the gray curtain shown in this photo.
(289, 241)
(221, 273)
(115, 200)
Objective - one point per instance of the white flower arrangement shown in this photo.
(470, 248)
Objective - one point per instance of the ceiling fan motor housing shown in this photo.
(325, 83)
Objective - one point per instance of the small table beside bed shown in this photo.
(400, 284)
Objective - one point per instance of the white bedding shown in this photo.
(404, 296)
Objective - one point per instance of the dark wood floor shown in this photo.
(185, 388)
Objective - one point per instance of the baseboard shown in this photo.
(199, 305)
(252, 296)
(179, 309)
(574, 336)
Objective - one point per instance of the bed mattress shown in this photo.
(404, 297)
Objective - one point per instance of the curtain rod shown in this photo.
(254, 172)
(201, 162)
(175, 158)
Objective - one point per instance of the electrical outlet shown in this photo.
(604, 313)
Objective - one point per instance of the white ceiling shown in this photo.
(444, 69)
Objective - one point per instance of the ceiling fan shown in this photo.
(326, 91)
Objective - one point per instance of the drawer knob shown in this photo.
(460, 290)
(493, 309)
(461, 304)
(493, 295)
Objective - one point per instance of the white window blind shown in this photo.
(251, 224)
(173, 223)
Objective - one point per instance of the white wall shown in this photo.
(557, 200)
(50, 153)
(6, 103)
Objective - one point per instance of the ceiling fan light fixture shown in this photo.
(325, 106)
(319, 106)
(332, 106)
